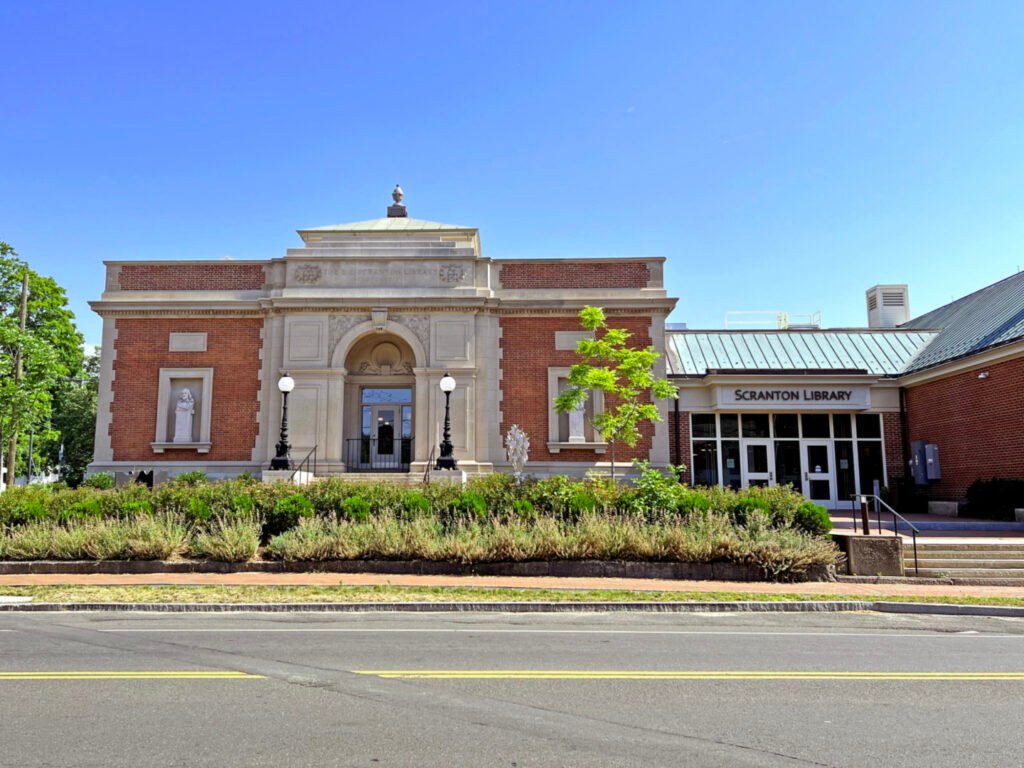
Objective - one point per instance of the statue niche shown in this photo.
(184, 415)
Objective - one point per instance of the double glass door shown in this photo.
(804, 464)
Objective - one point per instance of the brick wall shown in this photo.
(191, 277)
(679, 432)
(233, 348)
(892, 436)
(528, 350)
(978, 425)
(578, 274)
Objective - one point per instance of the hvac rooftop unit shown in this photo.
(888, 306)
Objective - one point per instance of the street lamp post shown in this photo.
(281, 459)
(447, 458)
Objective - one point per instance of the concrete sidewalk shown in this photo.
(839, 589)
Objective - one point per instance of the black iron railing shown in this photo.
(307, 465)
(378, 454)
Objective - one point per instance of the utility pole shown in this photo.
(12, 446)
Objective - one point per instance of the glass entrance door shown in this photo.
(385, 448)
(819, 477)
(758, 463)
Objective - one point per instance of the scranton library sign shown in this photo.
(789, 398)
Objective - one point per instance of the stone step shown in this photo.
(929, 562)
(960, 546)
(953, 554)
(969, 573)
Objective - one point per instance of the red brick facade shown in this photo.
(233, 351)
(892, 436)
(679, 443)
(527, 351)
(580, 274)
(223, 276)
(978, 425)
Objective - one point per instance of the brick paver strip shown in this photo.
(508, 582)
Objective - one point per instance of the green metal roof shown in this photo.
(390, 224)
(876, 352)
(981, 320)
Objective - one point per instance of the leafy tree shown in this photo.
(50, 348)
(624, 373)
(74, 424)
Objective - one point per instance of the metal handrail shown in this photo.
(430, 463)
(305, 463)
(897, 518)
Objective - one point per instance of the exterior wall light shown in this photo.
(983, 375)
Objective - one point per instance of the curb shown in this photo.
(819, 606)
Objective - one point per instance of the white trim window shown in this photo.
(185, 386)
(572, 431)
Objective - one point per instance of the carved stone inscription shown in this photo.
(382, 275)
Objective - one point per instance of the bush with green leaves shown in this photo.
(812, 518)
(194, 477)
(355, 508)
(103, 481)
(286, 514)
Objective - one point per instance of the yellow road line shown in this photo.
(128, 675)
(546, 674)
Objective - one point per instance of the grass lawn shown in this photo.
(387, 594)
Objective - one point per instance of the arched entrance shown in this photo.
(381, 388)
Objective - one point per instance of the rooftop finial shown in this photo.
(397, 210)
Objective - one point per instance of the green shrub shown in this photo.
(657, 492)
(81, 510)
(286, 514)
(27, 511)
(812, 518)
(995, 499)
(197, 510)
(229, 541)
(524, 509)
(415, 504)
(471, 504)
(745, 506)
(355, 508)
(103, 481)
(195, 477)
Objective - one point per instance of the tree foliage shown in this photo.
(50, 347)
(624, 373)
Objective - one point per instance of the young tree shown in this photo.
(623, 373)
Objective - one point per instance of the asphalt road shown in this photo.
(502, 690)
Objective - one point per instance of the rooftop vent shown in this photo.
(888, 306)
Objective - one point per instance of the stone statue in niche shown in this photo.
(184, 412)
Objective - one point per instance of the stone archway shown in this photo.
(380, 384)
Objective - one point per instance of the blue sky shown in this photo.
(781, 155)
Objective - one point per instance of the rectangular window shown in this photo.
(731, 477)
(787, 463)
(841, 425)
(845, 486)
(786, 425)
(704, 425)
(868, 425)
(869, 457)
(815, 425)
(730, 424)
(705, 462)
(755, 425)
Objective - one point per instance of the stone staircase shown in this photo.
(404, 479)
(981, 562)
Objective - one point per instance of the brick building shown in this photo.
(932, 403)
(366, 318)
